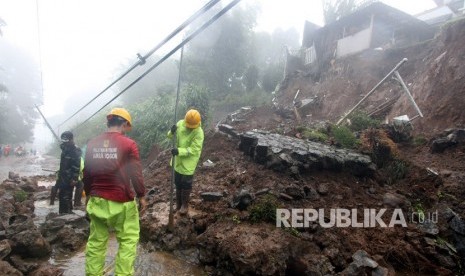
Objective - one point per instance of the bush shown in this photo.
(315, 135)
(420, 141)
(20, 196)
(361, 121)
(264, 210)
(396, 170)
(344, 136)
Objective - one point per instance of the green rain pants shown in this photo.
(124, 218)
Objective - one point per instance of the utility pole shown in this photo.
(173, 162)
(46, 122)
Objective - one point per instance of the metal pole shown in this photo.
(372, 90)
(48, 125)
(399, 79)
(171, 215)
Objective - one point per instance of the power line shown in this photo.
(142, 59)
(180, 45)
(40, 49)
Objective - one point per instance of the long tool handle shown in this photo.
(171, 218)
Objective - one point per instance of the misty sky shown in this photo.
(84, 42)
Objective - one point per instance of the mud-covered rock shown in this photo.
(211, 196)
(24, 266)
(46, 270)
(7, 269)
(25, 238)
(281, 153)
(242, 200)
(66, 232)
(5, 249)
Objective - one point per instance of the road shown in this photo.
(28, 165)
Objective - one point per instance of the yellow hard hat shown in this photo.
(192, 119)
(123, 113)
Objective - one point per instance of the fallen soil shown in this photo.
(229, 241)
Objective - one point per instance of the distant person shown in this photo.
(186, 154)
(111, 166)
(6, 150)
(1, 151)
(68, 175)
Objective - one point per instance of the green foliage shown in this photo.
(152, 120)
(251, 78)
(361, 121)
(396, 171)
(315, 135)
(198, 98)
(344, 136)
(419, 141)
(272, 75)
(234, 101)
(20, 196)
(20, 90)
(291, 230)
(236, 219)
(264, 209)
(162, 79)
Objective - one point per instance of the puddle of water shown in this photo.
(41, 209)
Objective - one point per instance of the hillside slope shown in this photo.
(230, 240)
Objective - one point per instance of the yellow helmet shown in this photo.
(123, 113)
(192, 119)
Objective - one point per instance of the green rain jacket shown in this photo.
(189, 143)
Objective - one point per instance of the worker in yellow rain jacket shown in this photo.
(186, 155)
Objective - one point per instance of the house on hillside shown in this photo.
(445, 10)
(374, 26)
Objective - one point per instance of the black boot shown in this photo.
(78, 193)
(185, 195)
(178, 199)
(65, 205)
(53, 195)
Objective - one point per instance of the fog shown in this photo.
(80, 47)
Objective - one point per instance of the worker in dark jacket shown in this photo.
(112, 180)
(186, 155)
(68, 175)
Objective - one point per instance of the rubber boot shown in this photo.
(185, 194)
(53, 195)
(178, 199)
(65, 197)
(78, 193)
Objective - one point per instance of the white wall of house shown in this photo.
(437, 15)
(354, 43)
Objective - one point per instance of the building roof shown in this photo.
(396, 18)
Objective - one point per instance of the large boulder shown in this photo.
(67, 232)
(26, 239)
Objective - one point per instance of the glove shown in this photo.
(173, 129)
(174, 151)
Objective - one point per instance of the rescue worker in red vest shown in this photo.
(68, 174)
(112, 164)
(186, 155)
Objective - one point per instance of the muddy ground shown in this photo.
(228, 240)
(237, 242)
